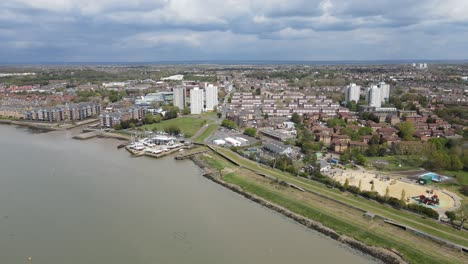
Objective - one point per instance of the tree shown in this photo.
(171, 112)
(360, 159)
(403, 195)
(157, 118)
(407, 130)
(455, 163)
(219, 114)
(149, 118)
(346, 184)
(186, 111)
(387, 193)
(250, 131)
(172, 130)
(372, 187)
(295, 118)
(229, 124)
(365, 131)
(359, 185)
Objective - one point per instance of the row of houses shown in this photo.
(68, 112)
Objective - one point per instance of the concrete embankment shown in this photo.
(383, 254)
(30, 125)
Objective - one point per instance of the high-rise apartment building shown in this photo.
(384, 91)
(211, 94)
(352, 92)
(179, 97)
(196, 101)
(373, 96)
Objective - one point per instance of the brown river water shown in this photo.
(67, 201)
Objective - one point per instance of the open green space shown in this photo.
(208, 131)
(345, 221)
(395, 163)
(416, 221)
(187, 125)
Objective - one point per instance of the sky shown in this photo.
(184, 30)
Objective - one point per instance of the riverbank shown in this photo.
(383, 254)
(336, 214)
(47, 126)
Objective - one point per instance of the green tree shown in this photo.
(372, 187)
(365, 131)
(229, 124)
(157, 118)
(387, 193)
(172, 130)
(149, 118)
(186, 111)
(403, 195)
(296, 118)
(250, 131)
(359, 185)
(346, 184)
(456, 163)
(407, 130)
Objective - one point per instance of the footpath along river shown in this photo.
(84, 202)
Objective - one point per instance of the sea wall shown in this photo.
(383, 254)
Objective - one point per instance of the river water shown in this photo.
(64, 201)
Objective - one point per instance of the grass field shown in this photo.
(188, 125)
(345, 220)
(408, 218)
(399, 163)
(208, 131)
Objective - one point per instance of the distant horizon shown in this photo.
(239, 62)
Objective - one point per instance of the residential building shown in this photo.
(384, 91)
(196, 101)
(211, 94)
(352, 93)
(179, 97)
(373, 96)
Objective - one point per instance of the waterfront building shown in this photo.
(211, 94)
(352, 93)
(196, 101)
(179, 97)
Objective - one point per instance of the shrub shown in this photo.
(423, 210)
(451, 215)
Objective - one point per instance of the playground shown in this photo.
(413, 192)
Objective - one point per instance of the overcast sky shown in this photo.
(161, 30)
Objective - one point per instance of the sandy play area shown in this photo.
(395, 186)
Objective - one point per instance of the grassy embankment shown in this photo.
(416, 221)
(208, 131)
(343, 219)
(188, 125)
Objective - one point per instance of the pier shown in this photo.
(88, 135)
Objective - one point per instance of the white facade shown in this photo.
(173, 78)
(384, 91)
(196, 101)
(373, 96)
(211, 93)
(179, 97)
(352, 93)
